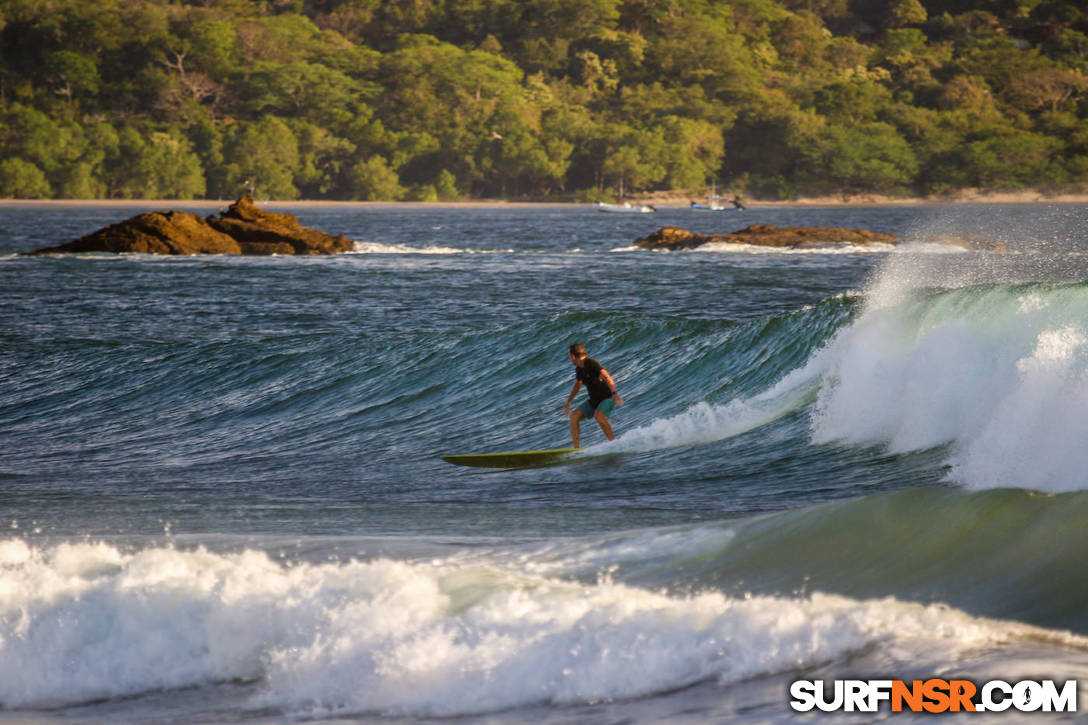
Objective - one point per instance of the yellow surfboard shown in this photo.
(511, 459)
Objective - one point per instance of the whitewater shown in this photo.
(996, 373)
(222, 497)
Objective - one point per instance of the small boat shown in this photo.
(625, 208)
(714, 202)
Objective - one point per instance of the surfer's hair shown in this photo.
(578, 350)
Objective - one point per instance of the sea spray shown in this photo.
(705, 423)
(262, 405)
(1035, 436)
(81, 622)
(996, 371)
(765, 367)
(944, 351)
(983, 353)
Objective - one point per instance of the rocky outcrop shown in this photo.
(802, 238)
(263, 232)
(160, 232)
(767, 236)
(809, 237)
(675, 238)
(241, 229)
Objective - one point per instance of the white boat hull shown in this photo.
(625, 208)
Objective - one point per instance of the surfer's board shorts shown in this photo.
(605, 407)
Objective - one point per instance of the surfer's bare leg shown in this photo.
(606, 427)
(575, 427)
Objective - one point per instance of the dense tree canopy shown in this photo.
(433, 99)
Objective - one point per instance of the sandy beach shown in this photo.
(665, 199)
(965, 196)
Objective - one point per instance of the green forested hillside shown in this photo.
(446, 99)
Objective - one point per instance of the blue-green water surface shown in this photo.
(222, 494)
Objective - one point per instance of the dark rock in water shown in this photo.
(809, 237)
(158, 232)
(803, 238)
(263, 232)
(242, 229)
(767, 236)
(674, 238)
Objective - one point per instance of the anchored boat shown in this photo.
(625, 208)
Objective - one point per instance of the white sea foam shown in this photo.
(730, 248)
(378, 248)
(913, 248)
(944, 353)
(707, 422)
(85, 621)
(998, 373)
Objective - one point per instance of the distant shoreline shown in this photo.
(671, 200)
(967, 196)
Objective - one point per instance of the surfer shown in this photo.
(602, 394)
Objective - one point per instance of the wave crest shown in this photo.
(997, 372)
(80, 622)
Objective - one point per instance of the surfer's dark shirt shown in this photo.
(590, 376)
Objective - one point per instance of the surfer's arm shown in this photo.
(611, 386)
(570, 398)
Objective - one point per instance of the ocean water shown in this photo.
(222, 497)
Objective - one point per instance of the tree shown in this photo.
(1004, 158)
(856, 159)
(1046, 88)
(281, 38)
(855, 100)
(459, 99)
(768, 146)
(335, 98)
(303, 90)
(322, 158)
(800, 42)
(372, 180)
(703, 49)
(446, 186)
(692, 152)
(63, 150)
(902, 13)
(519, 159)
(630, 158)
(83, 182)
(263, 157)
(21, 179)
(72, 73)
(155, 165)
(967, 93)
(212, 44)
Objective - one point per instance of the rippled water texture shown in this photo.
(222, 497)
